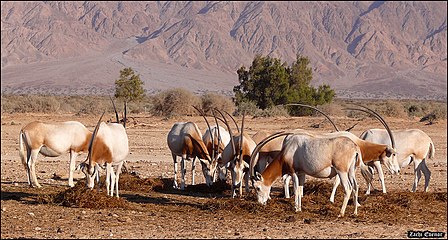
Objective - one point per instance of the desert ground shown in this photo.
(148, 207)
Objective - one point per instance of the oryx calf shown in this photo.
(51, 140)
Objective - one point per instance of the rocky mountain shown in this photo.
(362, 49)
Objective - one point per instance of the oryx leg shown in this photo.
(31, 164)
(175, 185)
(193, 167)
(183, 172)
(301, 178)
(347, 189)
(298, 182)
(380, 174)
(286, 178)
(354, 190)
(72, 163)
(417, 173)
(427, 174)
(108, 178)
(336, 183)
(120, 165)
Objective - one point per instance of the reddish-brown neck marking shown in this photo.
(273, 171)
(371, 151)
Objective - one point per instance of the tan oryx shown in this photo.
(109, 147)
(303, 154)
(412, 145)
(185, 140)
(52, 140)
(236, 156)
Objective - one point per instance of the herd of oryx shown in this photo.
(263, 158)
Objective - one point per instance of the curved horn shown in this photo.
(209, 129)
(308, 106)
(259, 146)
(217, 129)
(115, 109)
(95, 131)
(125, 111)
(376, 115)
(233, 120)
(240, 159)
(230, 131)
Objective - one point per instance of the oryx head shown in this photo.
(208, 168)
(237, 165)
(89, 167)
(261, 188)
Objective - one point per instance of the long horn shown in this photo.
(125, 111)
(95, 131)
(253, 162)
(240, 159)
(115, 109)
(376, 115)
(308, 106)
(233, 120)
(209, 129)
(350, 128)
(217, 129)
(230, 131)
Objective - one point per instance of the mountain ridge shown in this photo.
(378, 49)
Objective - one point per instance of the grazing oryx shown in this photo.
(370, 151)
(52, 140)
(315, 155)
(221, 138)
(215, 139)
(185, 140)
(236, 155)
(108, 146)
(412, 145)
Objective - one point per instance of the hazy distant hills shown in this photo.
(362, 49)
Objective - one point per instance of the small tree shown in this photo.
(268, 82)
(129, 87)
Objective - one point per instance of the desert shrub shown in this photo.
(249, 107)
(332, 109)
(212, 100)
(273, 111)
(174, 102)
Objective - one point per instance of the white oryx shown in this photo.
(215, 139)
(216, 145)
(306, 154)
(412, 145)
(185, 140)
(52, 140)
(370, 151)
(236, 156)
(108, 146)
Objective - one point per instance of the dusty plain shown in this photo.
(202, 213)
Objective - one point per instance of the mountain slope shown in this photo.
(363, 49)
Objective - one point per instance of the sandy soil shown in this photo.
(199, 212)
